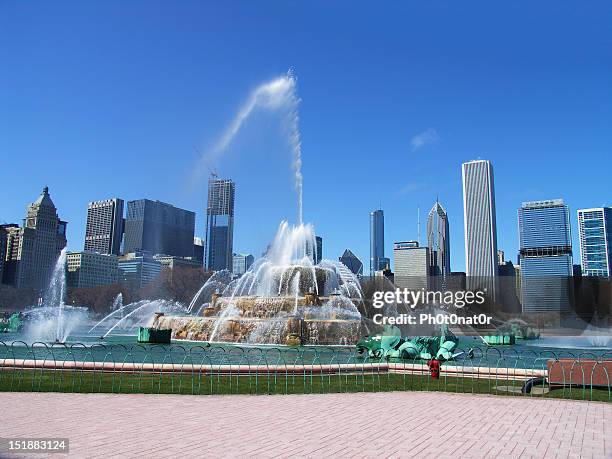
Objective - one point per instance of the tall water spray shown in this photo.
(53, 320)
(54, 297)
(279, 95)
(285, 290)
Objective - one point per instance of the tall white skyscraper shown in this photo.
(480, 227)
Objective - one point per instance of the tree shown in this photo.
(180, 283)
(98, 299)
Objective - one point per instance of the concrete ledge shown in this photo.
(401, 368)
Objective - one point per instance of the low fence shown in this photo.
(216, 369)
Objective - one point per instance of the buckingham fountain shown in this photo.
(284, 298)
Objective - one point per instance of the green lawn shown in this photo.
(199, 384)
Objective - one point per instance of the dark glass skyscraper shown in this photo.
(198, 250)
(438, 241)
(319, 249)
(104, 229)
(219, 224)
(158, 228)
(377, 241)
(350, 260)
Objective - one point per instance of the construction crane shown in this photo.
(213, 172)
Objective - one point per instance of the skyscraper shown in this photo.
(198, 250)
(545, 256)
(480, 227)
(104, 229)
(438, 241)
(318, 249)
(3, 244)
(350, 260)
(33, 249)
(314, 249)
(138, 269)
(158, 228)
(378, 261)
(88, 269)
(241, 263)
(411, 265)
(595, 231)
(171, 262)
(219, 224)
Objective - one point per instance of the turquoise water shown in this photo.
(124, 349)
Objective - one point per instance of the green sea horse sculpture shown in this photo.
(391, 345)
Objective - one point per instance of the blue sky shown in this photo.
(109, 99)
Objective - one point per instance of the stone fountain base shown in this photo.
(305, 319)
(263, 331)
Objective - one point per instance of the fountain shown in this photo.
(216, 283)
(284, 295)
(126, 317)
(53, 320)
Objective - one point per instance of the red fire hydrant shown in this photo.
(434, 368)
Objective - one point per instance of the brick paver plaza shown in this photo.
(399, 424)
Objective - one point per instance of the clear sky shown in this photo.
(112, 99)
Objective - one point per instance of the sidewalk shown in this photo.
(396, 424)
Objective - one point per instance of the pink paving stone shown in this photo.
(398, 424)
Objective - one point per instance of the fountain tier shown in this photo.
(269, 320)
(263, 331)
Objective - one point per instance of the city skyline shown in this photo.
(369, 101)
(112, 202)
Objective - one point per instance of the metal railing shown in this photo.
(233, 369)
